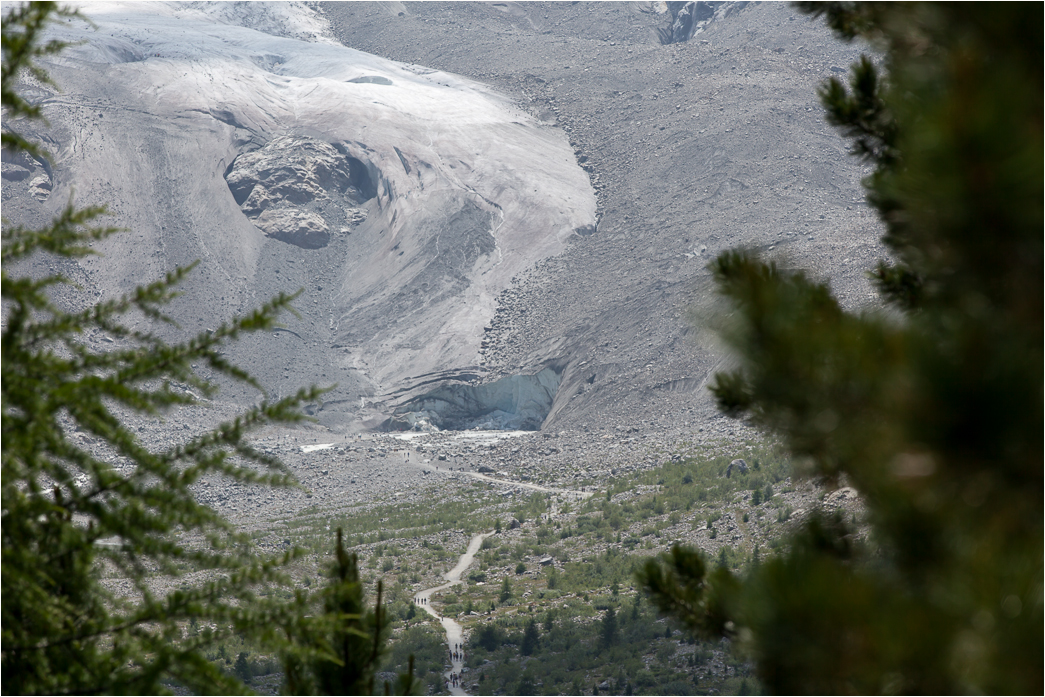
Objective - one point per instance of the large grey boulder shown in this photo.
(295, 226)
(295, 188)
(299, 170)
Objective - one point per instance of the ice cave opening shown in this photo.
(516, 403)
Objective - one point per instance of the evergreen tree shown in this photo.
(931, 409)
(610, 631)
(506, 591)
(242, 668)
(531, 638)
(338, 650)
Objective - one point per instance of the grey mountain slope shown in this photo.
(693, 148)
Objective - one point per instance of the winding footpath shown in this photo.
(411, 459)
(454, 633)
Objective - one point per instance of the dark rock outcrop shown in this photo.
(294, 185)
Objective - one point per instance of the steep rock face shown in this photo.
(693, 17)
(400, 200)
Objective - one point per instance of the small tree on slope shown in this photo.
(338, 651)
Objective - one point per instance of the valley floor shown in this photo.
(562, 521)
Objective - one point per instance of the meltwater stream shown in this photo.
(454, 635)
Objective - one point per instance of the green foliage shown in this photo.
(574, 649)
(681, 587)
(425, 645)
(372, 523)
(531, 638)
(83, 496)
(932, 412)
(707, 482)
(609, 635)
(506, 591)
(337, 651)
(242, 668)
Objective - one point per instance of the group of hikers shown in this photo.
(420, 601)
(456, 654)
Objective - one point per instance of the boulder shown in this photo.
(737, 464)
(40, 187)
(297, 169)
(14, 173)
(295, 226)
(841, 496)
(282, 186)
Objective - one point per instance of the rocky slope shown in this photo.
(693, 147)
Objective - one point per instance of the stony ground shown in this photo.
(693, 148)
(346, 478)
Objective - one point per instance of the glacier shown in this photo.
(456, 189)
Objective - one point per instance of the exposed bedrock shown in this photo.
(517, 402)
(693, 17)
(297, 188)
